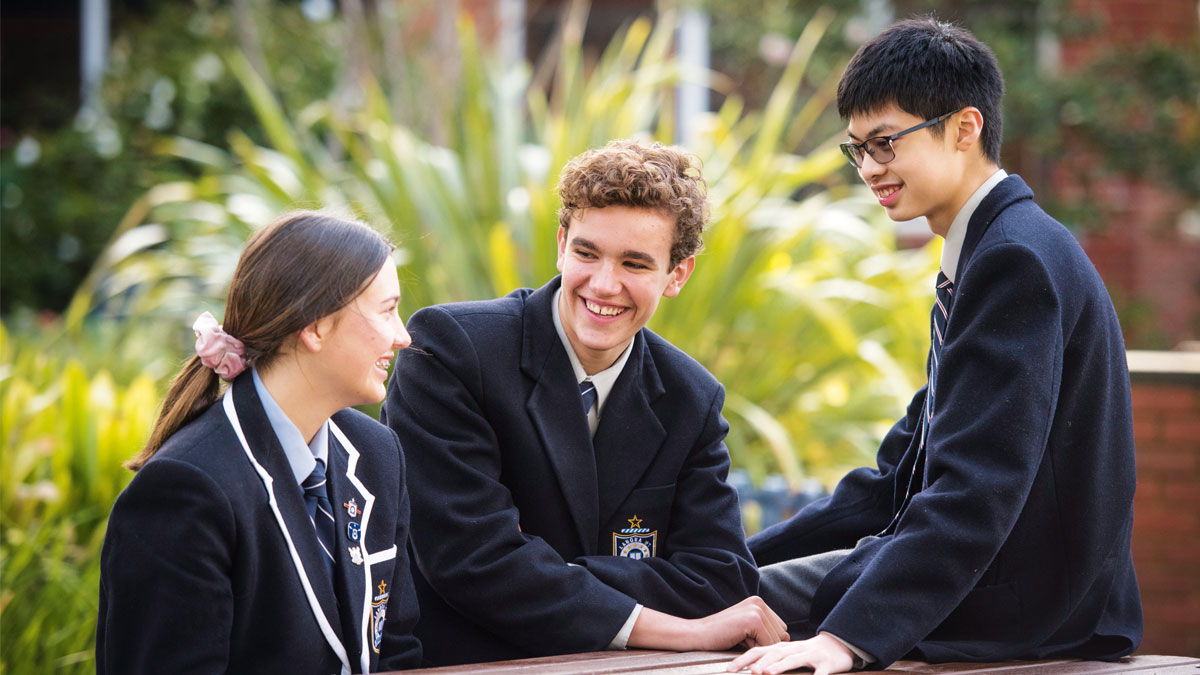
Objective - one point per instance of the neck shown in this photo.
(974, 175)
(297, 397)
(593, 366)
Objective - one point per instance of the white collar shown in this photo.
(605, 379)
(301, 456)
(957, 234)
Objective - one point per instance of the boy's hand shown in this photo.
(823, 653)
(749, 623)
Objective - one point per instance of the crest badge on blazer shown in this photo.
(378, 615)
(635, 541)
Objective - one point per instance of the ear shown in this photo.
(312, 337)
(967, 128)
(679, 276)
(562, 246)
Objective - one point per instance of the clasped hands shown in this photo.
(751, 624)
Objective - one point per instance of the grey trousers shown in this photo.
(788, 587)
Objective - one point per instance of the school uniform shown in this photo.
(533, 536)
(1004, 506)
(212, 564)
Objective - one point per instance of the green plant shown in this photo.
(800, 304)
(65, 429)
(64, 189)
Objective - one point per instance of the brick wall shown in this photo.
(1166, 530)
(1137, 233)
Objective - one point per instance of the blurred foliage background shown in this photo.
(124, 223)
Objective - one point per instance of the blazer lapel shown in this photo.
(1006, 193)
(350, 586)
(555, 413)
(630, 434)
(280, 481)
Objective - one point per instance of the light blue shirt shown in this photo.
(301, 456)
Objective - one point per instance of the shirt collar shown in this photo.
(605, 379)
(300, 455)
(957, 233)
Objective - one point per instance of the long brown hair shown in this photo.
(302, 267)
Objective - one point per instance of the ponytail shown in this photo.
(304, 266)
(193, 390)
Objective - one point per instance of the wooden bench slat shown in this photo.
(714, 663)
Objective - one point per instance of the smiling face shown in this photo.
(931, 175)
(615, 264)
(361, 340)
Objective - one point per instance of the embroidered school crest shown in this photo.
(378, 615)
(635, 541)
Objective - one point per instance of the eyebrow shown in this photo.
(630, 253)
(873, 133)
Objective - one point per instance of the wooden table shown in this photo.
(712, 663)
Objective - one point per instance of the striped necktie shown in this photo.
(587, 390)
(320, 512)
(943, 295)
(940, 315)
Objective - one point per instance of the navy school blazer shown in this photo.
(1017, 545)
(201, 574)
(520, 522)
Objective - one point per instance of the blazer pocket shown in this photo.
(640, 527)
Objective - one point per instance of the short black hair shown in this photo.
(927, 68)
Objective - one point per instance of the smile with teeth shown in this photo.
(603, 310)
(886, 192)
(382, 364)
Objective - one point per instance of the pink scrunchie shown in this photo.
(217, 349)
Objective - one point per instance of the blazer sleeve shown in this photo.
(862, 504)
(467, 541)
(401, 649)
(998, 382)
(166, 601)
(709, 567)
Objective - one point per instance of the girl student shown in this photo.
(265, 528)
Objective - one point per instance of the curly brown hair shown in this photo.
(628, 173)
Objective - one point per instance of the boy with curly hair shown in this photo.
(567, 466)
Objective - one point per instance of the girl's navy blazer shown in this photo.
(211, 563)
(1017, 545)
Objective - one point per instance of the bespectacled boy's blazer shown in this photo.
(1017, 544)
(211, 563)
(530, 539)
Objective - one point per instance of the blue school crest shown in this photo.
(635, 541)
(378, 615)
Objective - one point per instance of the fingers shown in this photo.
(817, 653)
(771, 628)
(751, 655)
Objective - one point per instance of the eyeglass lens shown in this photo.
(879, 148)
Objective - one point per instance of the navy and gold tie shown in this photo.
(587, 390)
(320, 511)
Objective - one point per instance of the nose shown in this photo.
(401, 339)
(604, 281)
(870, 169)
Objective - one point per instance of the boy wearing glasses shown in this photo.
(997, 524)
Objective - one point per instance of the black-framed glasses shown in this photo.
(880, 147)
